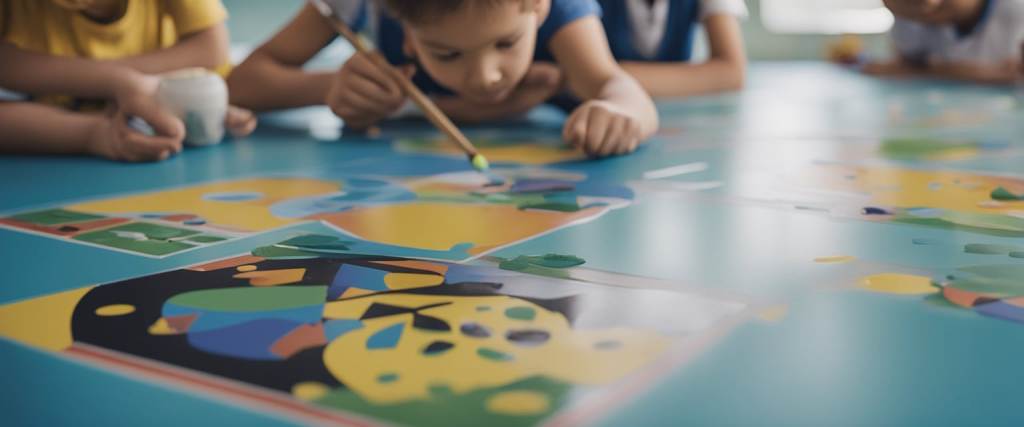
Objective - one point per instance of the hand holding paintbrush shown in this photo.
(390, 73)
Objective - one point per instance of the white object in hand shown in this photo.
(199, 98)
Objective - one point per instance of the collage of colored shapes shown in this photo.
(153, 235)
(402, 340)
(385, 202)
(993, 290)
(968, 202)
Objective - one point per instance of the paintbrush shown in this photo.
(439, 119)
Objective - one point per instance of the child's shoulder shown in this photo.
(566, 11)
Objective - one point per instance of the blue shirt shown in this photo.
(676, 43)
(389, 35)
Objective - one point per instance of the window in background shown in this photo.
(825, 16)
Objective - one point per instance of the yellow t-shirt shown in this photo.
(147, 25)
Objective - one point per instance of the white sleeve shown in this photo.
(728, 7)
(910, 39)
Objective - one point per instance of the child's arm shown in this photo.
(38, 129)
(899, 66)
(1006, 72)
(617, 113)
(207, 48)
(272, 77)
(31, 128)
(724, 71)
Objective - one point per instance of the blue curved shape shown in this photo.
(210, 320)
(232, 196)
(250, 340)
(385, 338)
(359, 193)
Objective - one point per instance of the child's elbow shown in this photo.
(737, 76)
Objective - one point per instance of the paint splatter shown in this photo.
(841, 258)
(901, 284)
(875, 211)
(987, 249)
(521, 313)
(115, 310)
(1002, 193)
(494, 355)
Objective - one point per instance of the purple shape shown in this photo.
(540, 185)
(355, 276)
(1002, 310)
(195, 221)
(249, 340)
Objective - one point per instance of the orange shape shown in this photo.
(273, 277)
(418, 265)
(245, 268)
(227, 263)
(437, 226)
(303, 337)
(961, 297)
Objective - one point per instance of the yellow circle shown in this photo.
(244, 268)
(115, 310)
(309, 390)
(519, 403)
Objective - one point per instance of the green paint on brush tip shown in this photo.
(480, 162)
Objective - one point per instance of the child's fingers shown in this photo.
(364, 67)
(364, 105)
(163, 122)
(597, 129)
(141, 147)
(615, 136)
(371, 92)
(240, 121)
(574, 132)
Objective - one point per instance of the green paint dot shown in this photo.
(480, 162)
(494, 355)
(387, 378)
(560, 261)
(521, 313)
(483, 308)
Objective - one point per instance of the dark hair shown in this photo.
(423, 11)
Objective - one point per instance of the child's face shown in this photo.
(480, 52)
(932, 12)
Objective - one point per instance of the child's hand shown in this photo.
(361, 93)
(135, 96)
(240, 121)
(112, 138)
(602, 129)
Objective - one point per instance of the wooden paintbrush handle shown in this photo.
(434, 114)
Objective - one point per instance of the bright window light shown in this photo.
(825, 16)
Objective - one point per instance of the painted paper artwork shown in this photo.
(313, 330)
(411, 201)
